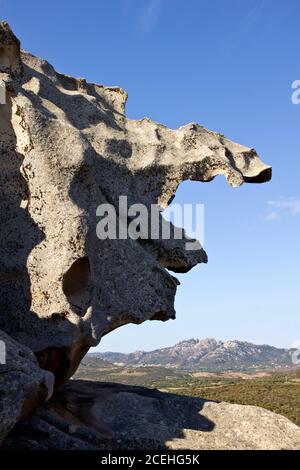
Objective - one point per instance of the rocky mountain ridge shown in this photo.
(196, 354)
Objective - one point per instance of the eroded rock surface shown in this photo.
(67, 147)
(23, 385)
(95, 415)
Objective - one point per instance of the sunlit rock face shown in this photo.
(66, 148)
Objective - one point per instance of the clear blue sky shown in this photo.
(229, 65)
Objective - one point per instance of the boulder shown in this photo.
(24, 386)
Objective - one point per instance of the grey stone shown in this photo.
(23, 385)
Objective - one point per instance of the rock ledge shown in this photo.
(96, 415)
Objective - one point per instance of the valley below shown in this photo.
(274, 387)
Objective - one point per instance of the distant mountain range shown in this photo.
(206, 354)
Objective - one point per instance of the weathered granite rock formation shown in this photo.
(93, 415)
(67, 147)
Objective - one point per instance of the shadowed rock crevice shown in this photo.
(19, 233)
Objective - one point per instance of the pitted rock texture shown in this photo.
(96, 415)
(23, 385)
(67, 147)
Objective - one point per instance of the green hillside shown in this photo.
(278, 392)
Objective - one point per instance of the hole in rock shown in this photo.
(77, 283)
